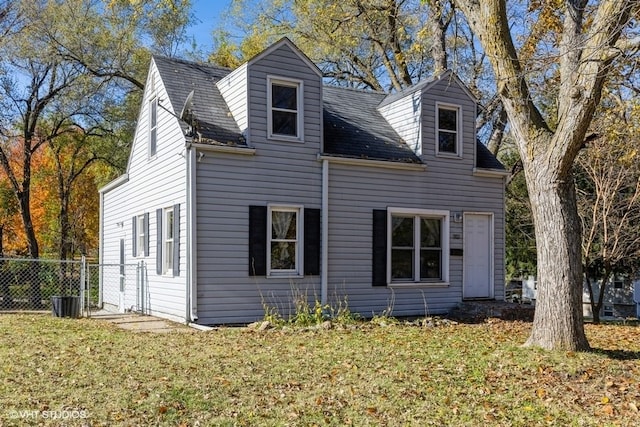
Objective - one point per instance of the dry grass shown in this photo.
(95, 374)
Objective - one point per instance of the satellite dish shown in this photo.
(187, 108)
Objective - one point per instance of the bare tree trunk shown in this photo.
(596, 307)
(558, 319)
(438, 29)
(24, 201)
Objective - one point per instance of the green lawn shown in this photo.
(92, 373)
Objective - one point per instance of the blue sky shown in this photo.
(208, 12)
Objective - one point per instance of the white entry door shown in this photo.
(478, 255)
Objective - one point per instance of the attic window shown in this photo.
(284, 109)
(153, 126)
(448, 130)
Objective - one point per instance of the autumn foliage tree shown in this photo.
(608, 175)
(578, 54)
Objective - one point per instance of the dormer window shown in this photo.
(284, 109)
(448, 130)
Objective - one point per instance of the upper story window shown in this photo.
(418, 246)
(284, 109)
(448, 130)
(153, 126)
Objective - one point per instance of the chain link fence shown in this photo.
(117, 288)
(30, 284)
(43, 284)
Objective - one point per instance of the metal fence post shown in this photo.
(83, 285)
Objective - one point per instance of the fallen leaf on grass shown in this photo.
(608, 409)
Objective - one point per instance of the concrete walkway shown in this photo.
(140, 323)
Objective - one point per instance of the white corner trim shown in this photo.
(247, 151)
(491, 173)
(115, 183)
(373, 163)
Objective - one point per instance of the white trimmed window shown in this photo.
(284, 109)
(153, 126)
(418, 246)
(284, 253)
(448, 135)
(141, 229)
(167, 241)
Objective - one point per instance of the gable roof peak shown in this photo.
(426, 85)
(285, 41)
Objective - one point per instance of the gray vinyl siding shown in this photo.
(450, 93)
(354, 192)
(154, 183)
(282, 173)
(233, 88)
(404, 116)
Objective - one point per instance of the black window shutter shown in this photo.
(379, 267)
(159, 241)
(312, 242)
(176, 240)
(134, 235)
(146, 234)
(257, 240)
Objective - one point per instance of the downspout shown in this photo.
(192, 274)
(101, 248)
(324, 274)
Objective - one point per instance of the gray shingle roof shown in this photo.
(485, 159)
(213, 120)
(353, 126)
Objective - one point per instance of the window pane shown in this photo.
(283, 255)
(430, 264)
(447, 142)
(283, 225)
(154, 113)
(402, 234)
(448, 119)
(402, 264)
(169, 225)
(168, 256)
(284, 123)
(283, 97)
(429, 233)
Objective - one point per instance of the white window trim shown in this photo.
(167, 255)
(299, 85)
(152, 128)
(458, 109)
(443, 215)
(297, 272)
(141, 237)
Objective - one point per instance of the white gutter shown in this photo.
(192, 272)
(373, 163)
(491, 173)
(115, 183)
(324, 274)
(247, 151)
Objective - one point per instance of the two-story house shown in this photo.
(260, 185)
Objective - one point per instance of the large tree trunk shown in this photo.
(584, 57)
(24, 201)
(558, 320)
